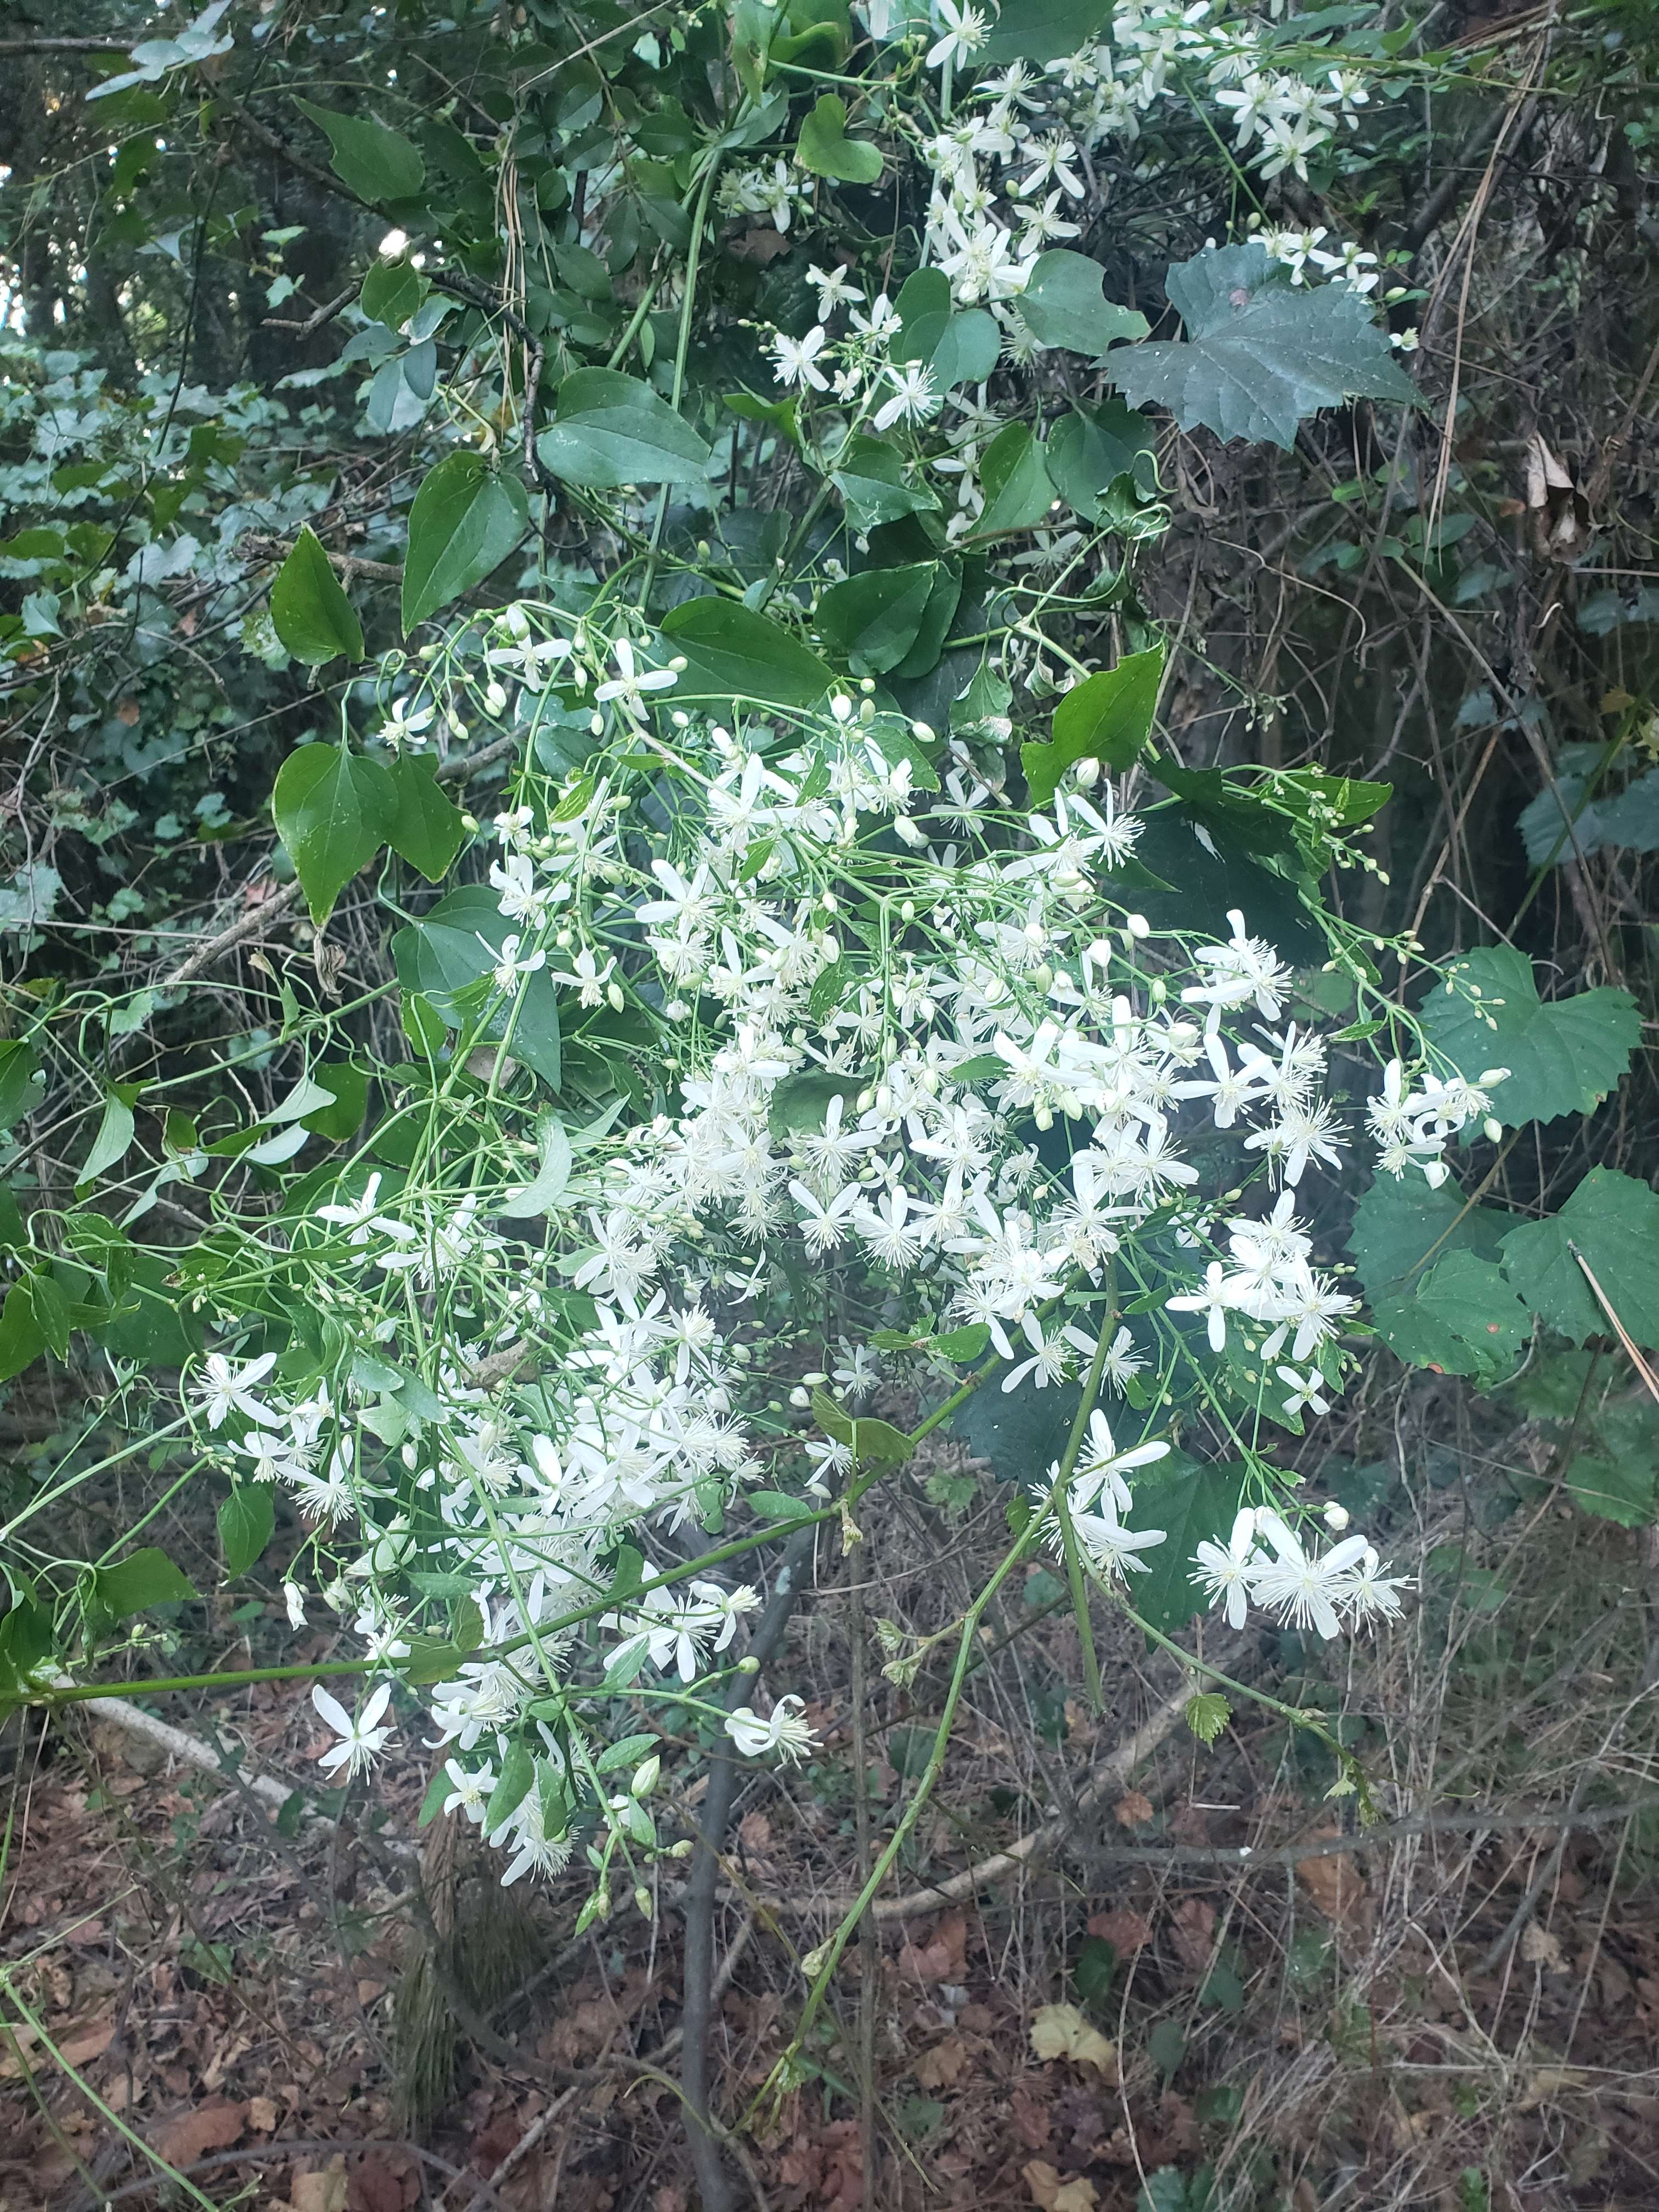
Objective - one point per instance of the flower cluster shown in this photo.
(1345, 1583)
(917, 1049)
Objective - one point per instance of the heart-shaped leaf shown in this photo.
(309, 609)
(333, 811)
(825, 149)
(466, 521)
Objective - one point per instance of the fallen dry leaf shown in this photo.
(1059, 2031)
(941, 2067)
(1124, 1930)
(1051, 2194)
(320, 2192)
(1192, 1927)
(942, 1957)
(1030, 2120)
(262, 2115)
(1539, 1948)
(761, 245)
(1133, 1809)
(1337, 1889)
(209, 2127)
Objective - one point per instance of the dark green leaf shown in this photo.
(1096, 1970)
(512, 1787)
(871, 620)
(454, 947)
(869, 1439)
(1612, 1221)
(392, 293)
(370, 160)
(734, 653)
(466, 519)
(1259, 355)
(1022, 1432)
(427, 831)
(1041, 31)
(943, 596)
(20, 1083)
(1193, 1502)
(333, 810)
(309, 609)
(1401, 1226)
(247, 1521)
(826, 150)
(136, 1584)
(339, 1121)
(1061, 305)
(22, 1339)
(1015, 480)
(1563, 1057)
(871, 479)
(611, 429)
(1461, 1317)
(923, 307)
(1091, 448)
(968, 351)
(1108, 717)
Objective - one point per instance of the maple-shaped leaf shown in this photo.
(1261, 353)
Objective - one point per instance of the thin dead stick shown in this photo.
(1112, 1771)
(1618, 1329)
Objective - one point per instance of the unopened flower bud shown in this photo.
(812, 1964)
(1492, 1128)
(1137, 925)
(1335, 1517)
(642, 1901)
(645, 1777)
(801, 1398)
(748, 1664)
(683, 1849)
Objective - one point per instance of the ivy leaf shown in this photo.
(1259, 355)
(871, 620)
(1614, 1220)
(309, 609)
(1462, 1318)
(969, 350)
(135, 1584)
(247, 1521)
(21, 1082)
(870, 478)
(333, 811)
(1563, 1057)
(1108, 717)
(1062, 305)
(1193, 1503)
(466, 519)
(428, 829)
(1401, 1226)
(1015, 480)
(612, 430)
(1091, 448)
(825, 149)
(374, 162)
(733, 653)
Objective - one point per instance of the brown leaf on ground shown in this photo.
(192, 2134)
(1030, 2117)
(941, 2067)
(1337, 1889)
(755, 1833)
(1124, 1930)
(262, 2115)
(1051, 2194)
(319, 2192)
(942, 1957)
(1191, 1925)
(1133, 1810)
(761, 245)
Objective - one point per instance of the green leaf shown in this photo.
(1096, 1970)
(825, 149)
(944, 595)
(869, 1439)
(543, 1194)
(1194, 1503)
(1401, 1226)
(1022, 1432)
(1259, 355)
(1091, 448)
(734, 653)
(1461, 1318)
(512, 1787)
(392, 292)
(1208, 1714)
(454, 947)
(802, 1103)
(247, 1521)
(22, 1339)
(110, 1145)
(871, 620)
(20, 1084)
(1061, 305)
(309, 609)
(333, 811)
(968, 350)
(370, 160)
(924, 309)
(1613, 1222)
(611, 429)
(341, 1119)
(1194, 886)
(1632, 819)
(428, 829)
(466, 519)
(871, 478)
(135, 1584)
(1615, 1486)
(1563, 1057)
(1108, 717)
(1014, 477)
